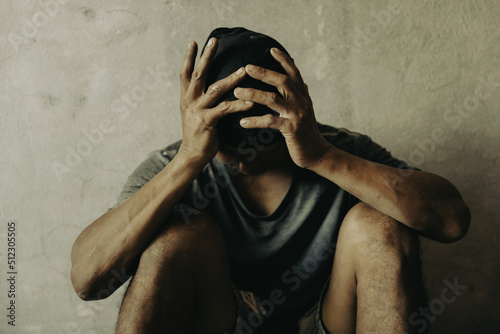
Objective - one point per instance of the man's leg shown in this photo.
(182, 283)
(376, 281)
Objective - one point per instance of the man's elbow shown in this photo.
(97, 284)
(457, 224)
(79, 277)
(82, 286)
(87, 282)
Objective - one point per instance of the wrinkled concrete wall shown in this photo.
(421, 77)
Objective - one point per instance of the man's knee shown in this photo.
(367, 229)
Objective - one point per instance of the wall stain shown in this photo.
(89, 13)
(81, 101)
(50, 100)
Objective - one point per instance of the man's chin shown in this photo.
(250, 169)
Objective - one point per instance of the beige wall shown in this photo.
(420, 77)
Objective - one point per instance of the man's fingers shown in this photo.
(264, 122)
(284, 83)
(187, 66)
(199, 74)
(288, 65)
(219, 88)
(225, 108)
(270, 99)
(273, 78)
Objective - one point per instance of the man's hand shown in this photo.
(198, 114)
(296, 121)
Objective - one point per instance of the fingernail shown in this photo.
(237, 90)
(275, 50)
(248, 102)
(244, 122)
(240, 71)
(210, 42)
(189, 45)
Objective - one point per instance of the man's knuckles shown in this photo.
(273, 99)
(224, 107)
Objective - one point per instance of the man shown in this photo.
(261, 220)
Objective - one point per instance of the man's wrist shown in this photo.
(191, 160)
(326, 161)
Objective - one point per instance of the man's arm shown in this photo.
(423, 201)
(116, 239)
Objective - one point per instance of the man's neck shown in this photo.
(263, 192)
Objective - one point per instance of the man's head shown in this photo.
(238, 47)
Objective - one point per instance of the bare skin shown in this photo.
(422, 201)
(376, 282)
(397, 208)
(182, 284)
(116, 239)
(263, 182)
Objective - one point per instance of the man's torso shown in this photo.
(280, 248)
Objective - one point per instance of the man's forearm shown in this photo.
(117, 238)
(423, 201)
